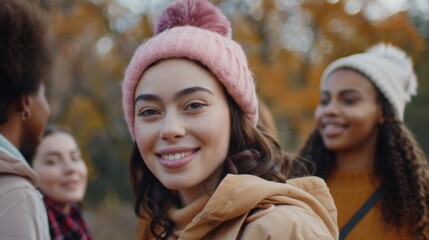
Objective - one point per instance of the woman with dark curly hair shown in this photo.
(201, 168)
(24, 65)
(375, 169)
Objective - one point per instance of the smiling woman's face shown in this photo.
(62, 172)
(182, 125)
(348, 113)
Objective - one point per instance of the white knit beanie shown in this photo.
(388, 67)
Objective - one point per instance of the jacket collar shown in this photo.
(12, 162)
(10, 148)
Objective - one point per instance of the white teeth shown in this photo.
(333, 125)
(176, 156)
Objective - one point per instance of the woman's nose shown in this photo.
(326, 110)
(331, 108)
(69, 165)
(172, 127)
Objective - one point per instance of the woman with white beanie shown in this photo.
(375, 169)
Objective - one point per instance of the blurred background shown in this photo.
(288, 42)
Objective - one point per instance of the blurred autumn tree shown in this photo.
(289, 42)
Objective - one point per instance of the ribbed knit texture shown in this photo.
(388, 68)
(350, 190)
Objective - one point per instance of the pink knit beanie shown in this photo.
(388, 68)
(197, 30)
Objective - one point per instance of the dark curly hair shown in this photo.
(400, 165)
(252, 150)
(25, 56)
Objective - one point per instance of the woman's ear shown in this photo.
(24, 107)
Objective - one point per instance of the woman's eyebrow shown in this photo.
(181, 93)
(191, 90)
(51, 153)
(347, 91)
(146, 97)
(342, 92)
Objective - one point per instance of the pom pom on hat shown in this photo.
(396, 54)
(388, 68)
(198, 13)
(198, 31)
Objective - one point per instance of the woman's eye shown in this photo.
(76, 157)
(324, 101)
(148, 112)
(349, 101)
(194, 105)
(51, 161)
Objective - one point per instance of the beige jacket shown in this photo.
(301, 209)
(22, 212)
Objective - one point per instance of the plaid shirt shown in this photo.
(65, 226)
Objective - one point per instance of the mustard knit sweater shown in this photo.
(350, 190)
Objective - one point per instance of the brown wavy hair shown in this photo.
(252, 150)
(25, 56)
(30, 151)
(400, 165)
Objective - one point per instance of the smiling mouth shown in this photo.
(176, 156)
(333, 129)
(71, 184)
(333, 126)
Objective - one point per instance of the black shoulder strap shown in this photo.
(372, 200)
